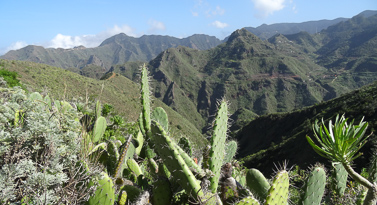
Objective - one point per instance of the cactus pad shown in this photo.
(174, 162)
(278, 193)
(217, 152)
(99, 129)
(314, 187)
(230, 151)
(248, 201)
(339, 176)
(105, 193)
(257, 183)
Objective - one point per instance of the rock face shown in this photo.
(204, 101)
(94, 60)
(169, 95)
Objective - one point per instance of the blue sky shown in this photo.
(71, 23)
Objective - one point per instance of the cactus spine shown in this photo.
(217, 152)
(314, 187)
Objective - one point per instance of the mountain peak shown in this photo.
(244, 34)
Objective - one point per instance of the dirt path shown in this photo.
(113, 75)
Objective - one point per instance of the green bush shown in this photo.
(10, 77)
(39, 152)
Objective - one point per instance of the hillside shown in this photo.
(117, 49)
(117, 90)
(265, 31)
(257, 77)
(246, 70)
(274, 138)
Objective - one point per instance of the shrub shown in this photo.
(39, 152)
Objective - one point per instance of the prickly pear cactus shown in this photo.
(99, 129)
(217, 152)
(314, 187)
(105, 193)
(257, 183)
(35, 96)
(127, 153)
(162, 193)
(191, 163)
(230, 151)
(134, 167)
(174, 162)
(123, 198)
(372, 170)
(339, 175)
(160, 116)
(185, 144)
(112, 157)
(145, 100)
(248, 201)
(278, 193)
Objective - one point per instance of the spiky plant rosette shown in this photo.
(339, 141)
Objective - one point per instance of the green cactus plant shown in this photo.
(161, 117)
(257, 183)
(162, 193)
(230, 151)
(127, 153)
(339, 178)
(279, 190)
(185, 144)
(134, 167)
(145, 100)
(249, 200)
(340, 142)
(105, 193)
(99, 129)
(314, 187)
(217, 152)
(123, 198)
(174, 162)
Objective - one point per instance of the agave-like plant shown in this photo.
(340, 142)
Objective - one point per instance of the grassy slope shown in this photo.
(118, 91)
(274, 138)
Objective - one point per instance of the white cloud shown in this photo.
(218, 11)
(17, 45)
(14, 46)
(219, 24)
(194, 13)
(156, 26)
(66, 41)
(268, 7)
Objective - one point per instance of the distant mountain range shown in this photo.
(258, 77)
(117, 49)
(267, 31)
(122, 48)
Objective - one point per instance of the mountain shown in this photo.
(116, 90)
(265, 31)
(271, 139)
(250, 73)
(257, 77)
(114, 50)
